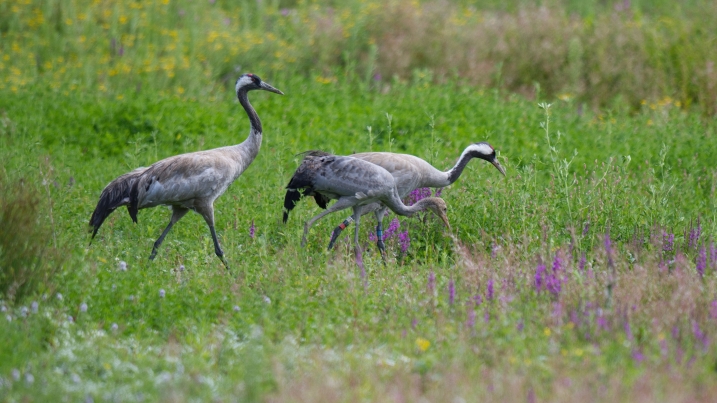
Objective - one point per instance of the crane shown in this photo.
(409, 172)
(189, 181)
(354, 183)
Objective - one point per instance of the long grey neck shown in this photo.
(250, 146)
(454, 173)
(397, 206)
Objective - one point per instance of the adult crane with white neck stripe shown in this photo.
(189, 181)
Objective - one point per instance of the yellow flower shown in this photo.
(547, 331)
(422, 344)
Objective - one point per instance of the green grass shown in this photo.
(304, 315)
(89, 91)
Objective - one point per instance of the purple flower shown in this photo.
(540, 277)
(713, 255)
(668, 241)
(520, 326)
(438, 192)
(252, 229)
(702, 262)
(713, 309)
(552, 284)
(557, 263)
(628, 330)
(477, 299)
(451, 292)
(489, 290)
(161, 293)
(637, 355)
(418, 194)
(392, 228)
(285, 11)
(431, 286)
(371, 236)
(582, 262)
(377, 77)
(404, 240)
(486, 317)
(700, 335)
(695, 233)
(83, 307)
(586, 228)
(494, 251)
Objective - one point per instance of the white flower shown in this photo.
(75, 378)
(29, 378)
(123, 265)
(83, 307)
(9, 318)
(114, 327)
(59, 296)
(267, 300)
(15, 374)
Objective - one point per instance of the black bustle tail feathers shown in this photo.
(300, 185)
(114, 195)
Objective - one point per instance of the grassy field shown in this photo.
(588, 273)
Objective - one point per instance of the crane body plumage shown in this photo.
(191, 181)
(409, 173)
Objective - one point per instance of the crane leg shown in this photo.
(337, 231)
(379, 234)
(357, 218)
(177, 214)
(208, 213)
(342, 203)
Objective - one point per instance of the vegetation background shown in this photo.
(589, 273)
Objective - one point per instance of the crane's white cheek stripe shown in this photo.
(482, 148)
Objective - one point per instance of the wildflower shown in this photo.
(494, 251)
(83, 307)
(557, 263)
(284, 11)
(392, 228)
(267, 300)
(489, 290)
(161, 293)
(520, 326)
(122, 265)
(236, 308)
(582, 262)
(34, 306)
(713, 255)
(451, 292)
(702, 262)
(477, 299)
(586, 228)
(114, 327)
(700, 335)
(371, 237)
(713, 309)
(695, 233)
(59, 296)
(486, 317)
(181, 267)
(414, 323)
(377, 77)
(15, 374)
(252, 229)
(552, 284)
(431, 286)
(438, 192)
(29, 378)
(628, 330)
(540, 277)
(637, 355)
(422, 344)
(404, 240)
(418, 194)
(668, 241)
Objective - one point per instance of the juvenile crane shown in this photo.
(409, 173)
(355, 183)
(189, 181)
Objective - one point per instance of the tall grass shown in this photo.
(621, 55)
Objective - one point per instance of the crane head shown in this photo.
(438, 207)
(485, 151)
(249, 81)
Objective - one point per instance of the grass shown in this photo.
(589, 273)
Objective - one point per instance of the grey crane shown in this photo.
(355, 183)
(409, 173)
(189, 181)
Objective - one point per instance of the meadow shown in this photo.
(588, 273)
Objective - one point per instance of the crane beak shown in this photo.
(267, 87)
(497, 165)
(445, 221)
